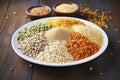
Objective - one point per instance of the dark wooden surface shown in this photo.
(12, 67)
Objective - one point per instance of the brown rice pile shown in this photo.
(55, 52)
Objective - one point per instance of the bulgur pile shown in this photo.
(55, 52)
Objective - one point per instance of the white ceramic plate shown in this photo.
(18, 52)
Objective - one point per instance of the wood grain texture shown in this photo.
(4, 6)
(8, 58)
(12, 67)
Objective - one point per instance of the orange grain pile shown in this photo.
(95, 16)
(80, 46)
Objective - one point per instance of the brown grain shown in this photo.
(39, 11)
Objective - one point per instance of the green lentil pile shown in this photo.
(32, 30)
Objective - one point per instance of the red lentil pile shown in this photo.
(95, 16)
(80, 46)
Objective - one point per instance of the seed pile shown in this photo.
(95, 16)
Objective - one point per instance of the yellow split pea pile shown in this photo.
(59, 40)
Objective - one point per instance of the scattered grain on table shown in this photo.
(118, 41)
(96, 16)
(6, 17)
(99, 72)
(111, 53)
(11, 68)
(30, 65)
(115, 47)
(26, 16)
(91, 68)
(14, 13)
(116, 30)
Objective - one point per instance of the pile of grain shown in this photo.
(91, 33)
(55, 52)
(64, 22)
(39, 11)
(80, 46)
(66, 8)
(58, 33)
(33, 45)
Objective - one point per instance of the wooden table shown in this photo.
(12, 67)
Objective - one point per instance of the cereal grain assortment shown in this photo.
(59, 41)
